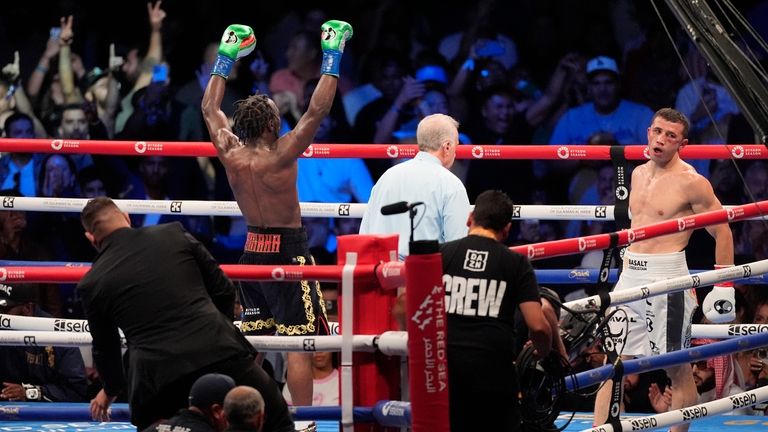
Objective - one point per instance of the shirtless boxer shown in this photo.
(262, 170)
(666, 188)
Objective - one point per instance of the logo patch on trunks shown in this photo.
(262, 243)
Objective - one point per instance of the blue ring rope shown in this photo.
(603, 373)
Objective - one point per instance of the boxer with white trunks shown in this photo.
(666, 188)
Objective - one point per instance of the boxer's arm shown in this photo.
(236, 42)
(702, 200)
(333, 38)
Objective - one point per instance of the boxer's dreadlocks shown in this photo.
(254, 116)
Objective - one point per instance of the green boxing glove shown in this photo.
(237, 41)
(333, 37)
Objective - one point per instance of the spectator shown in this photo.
(244, 409)
(138, 71)
(35, 373)
(717, 377)
(20, 170)
(424, 179)
(607, 112)
(325, 379)
(303, 55)
(206, 407)
(17, 242)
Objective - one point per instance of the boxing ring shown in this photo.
(384, 274)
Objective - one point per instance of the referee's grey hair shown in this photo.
(433, 130)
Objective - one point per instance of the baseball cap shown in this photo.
(91, 78)
(602, 63)
(210, 389)
(432, 73)
(11, 296)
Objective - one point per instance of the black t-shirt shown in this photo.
(484, 283)
(191, 421)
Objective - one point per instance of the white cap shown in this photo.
(602, 63)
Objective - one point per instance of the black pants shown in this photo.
(243, 370)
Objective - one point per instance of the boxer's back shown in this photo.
(264, 187)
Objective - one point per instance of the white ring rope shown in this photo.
(689, 414)
(59, 325)
(672, 285)
(308, 209)
(388, 343)
(179, 207)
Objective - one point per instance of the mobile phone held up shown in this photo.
(490, 48)
(160, 73)
(55, 33)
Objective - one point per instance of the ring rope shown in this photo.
(689, 414)
(663, 361)
(577, 276)
(675, 284)
(379, 151)
(308, 209)
(570, 246)
(386, 413)
(392, 343)
(174, 207)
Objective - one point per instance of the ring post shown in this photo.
(427, 344)
(374, 376)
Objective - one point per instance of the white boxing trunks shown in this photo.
(657, 324)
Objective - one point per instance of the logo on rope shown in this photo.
(744, 330)
(747, 270)
(175, 206)
(477, 152)
(57, 144)
(731, 214)
(622, 193)
(278, 273)
(695, 281)
(563, 152)
(646, 292)
(693, 413)
(604, 275)
(8, 202)
(531, 252)
(308, 152)
(140, 147)
(644, 423)
(646, 153)
(681, 224)
(737, 151)
(516, 212)
(309, 345)
(5, 322)
(582, 244)
(743, 401)
(601, 212)
(630, 237)
(344, 209)
(30, 341)
(70, 326)
(392, 151)
(3, 273)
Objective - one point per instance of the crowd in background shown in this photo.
(512, 73)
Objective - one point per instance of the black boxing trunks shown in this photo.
(291, 308)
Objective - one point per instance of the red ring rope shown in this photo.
(378, 151)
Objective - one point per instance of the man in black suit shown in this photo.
(165, 291)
